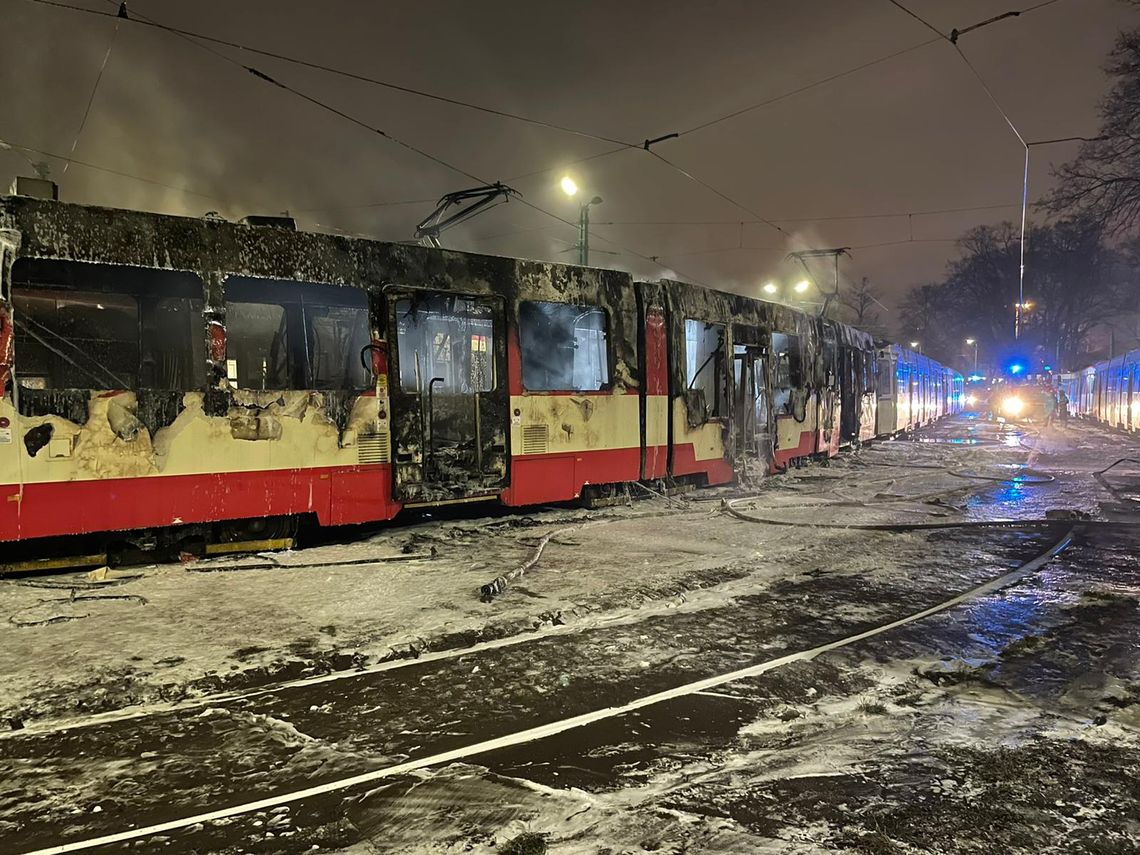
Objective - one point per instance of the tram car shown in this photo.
(914, 390)
(170, 380)
(1108, 392)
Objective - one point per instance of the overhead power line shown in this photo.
(953, 39)
(94, 89)
(17, 147)
(805, 88)
(340, 72)
(823, 219)
(920, 19)
(261, 75)
(691, 177)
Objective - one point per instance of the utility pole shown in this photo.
(570, 188)
(584, 236)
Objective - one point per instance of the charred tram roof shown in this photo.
(60, 230)
(215, 248)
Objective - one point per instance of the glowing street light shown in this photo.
(770, 288)
(570, 188)
(914, 344)
(801, 286)
(974, 342)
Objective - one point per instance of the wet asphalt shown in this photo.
(86, 782)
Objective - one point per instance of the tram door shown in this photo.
(851, 393)
(751, 405)
(449, 395)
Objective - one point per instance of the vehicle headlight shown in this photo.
(971, 399)
(1012, 406)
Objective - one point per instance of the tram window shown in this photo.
(446, 337)
(257, 347)
(564, 347)
(282, 334)
(704, 361)
(789, 367)
(99, 326)
(178, 361)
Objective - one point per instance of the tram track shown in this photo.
(523, 736)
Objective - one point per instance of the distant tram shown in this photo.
(1108, 392)
(171, 381)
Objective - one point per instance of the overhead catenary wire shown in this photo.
(953, 38)
(267, 78)
(25, 149)
(201, 39)
(821, 219)
(94, 90)
(145, 21)
(775, 99)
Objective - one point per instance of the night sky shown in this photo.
(913, 133)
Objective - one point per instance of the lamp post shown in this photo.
(570, 188)
(1023, 306)
(974, 342)
(916, 346)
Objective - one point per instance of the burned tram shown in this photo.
(169, 378)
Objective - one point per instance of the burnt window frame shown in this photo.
(715, 408)
(795, 362)
(184, 285)
(299, 330)
(607, 330)
(415, 297)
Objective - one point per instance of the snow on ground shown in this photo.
(173, 631)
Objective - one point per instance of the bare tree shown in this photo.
(923, 316)
(1103, 182)
(1074, 282)
(1078, 282)
(861, 300)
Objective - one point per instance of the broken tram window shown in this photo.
(97, 326)
(285, 335)
(789, 370)
(704, 361)
(448, 338)
(564, 347)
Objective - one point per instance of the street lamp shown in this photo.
(770, 288)
(917, 346)
(1018, 308)
(801, 286)
(974, 342)
(570, 188)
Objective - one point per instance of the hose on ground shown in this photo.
(729, 508)
(499, 584)
(1101, 478)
